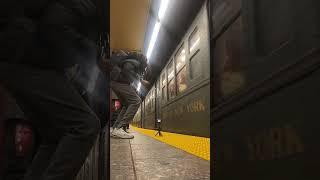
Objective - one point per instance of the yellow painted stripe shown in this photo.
(198, 146)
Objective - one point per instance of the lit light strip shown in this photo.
(163, 8)
(156, 29)
(154, 36)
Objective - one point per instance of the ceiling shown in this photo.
(128, 19)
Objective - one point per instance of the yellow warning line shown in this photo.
(198, 146)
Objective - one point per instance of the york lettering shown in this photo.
(274, 143)
(196, 106)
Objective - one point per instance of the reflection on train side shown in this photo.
(231, 59)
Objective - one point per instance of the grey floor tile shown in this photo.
(127, 174)
(116, 142)
(172, 168)
(151, 151)
(153, 160)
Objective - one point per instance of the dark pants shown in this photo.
(67, 125)
(130, 98)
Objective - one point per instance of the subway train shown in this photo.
(265, 93)
(179, 100)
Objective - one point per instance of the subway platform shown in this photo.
(146, 158)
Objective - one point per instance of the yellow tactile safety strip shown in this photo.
(198, 146)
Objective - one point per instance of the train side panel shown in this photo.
(186, 106)
(266, 97)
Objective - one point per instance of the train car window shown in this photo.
(158, 89)
(152, 99)
(223, 12)
(194, 45)
(150, 102)
(172, 88)
(163, 79)
(170, 71)
(163, 87)
(164, 93)
(147, 104)
(181, 70)
(194, 41)
(171, 79)
(272, 29)
(230, 60)
(182, 80)
(180, 59)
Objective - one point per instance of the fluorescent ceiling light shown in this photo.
(156, 29)
(154, 36)
(163, 8)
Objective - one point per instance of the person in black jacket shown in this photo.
(39, 40)
(132, 67)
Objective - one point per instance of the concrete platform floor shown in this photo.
(144, 158)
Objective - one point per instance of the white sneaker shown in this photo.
(111, 130)
(120, 133)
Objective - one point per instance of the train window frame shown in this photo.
(194, 51)
(179, 70)
(163, 76)
(193, 56)
(220, 22)
(163, 86)
(152, 99)
(177, 54)
(171, 97)
(227, 16)
(173, 79)
(170, 65)
(218, 97)
(184, 69)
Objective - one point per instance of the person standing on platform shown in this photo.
(127, 76)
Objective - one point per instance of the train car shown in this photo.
(137, 118)
(180, 97)
(149, 109)
(266, 58)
